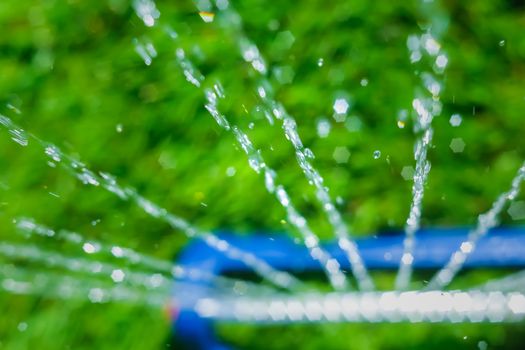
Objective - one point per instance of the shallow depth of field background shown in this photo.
(71, 69)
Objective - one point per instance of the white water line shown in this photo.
(486, 222)
(109, 182)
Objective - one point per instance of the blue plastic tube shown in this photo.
(502, 247)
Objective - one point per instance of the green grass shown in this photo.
(70, 67)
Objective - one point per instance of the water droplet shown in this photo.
(89, 248)
(251, 54)
(283, 196)
(145, 50)
(308, 153)
(340, 118)
(251, 125)
(269, 180)
(432, 85)
(87, 177)
(14, 108)
(457, 145)
(261, 91)
(402, 116)
(364, 82)
(413, 42)
(171, 32)
(407, 258)
(517, 210)
(341, 155)
(212, 107)
(284, 40)
(502, 43)
(19, 136)
(430, 44)
(219, 90)
(230, 171)
(119, 128)
(117, 252)
(320, 62)
(323, 127)
(483, 345)
(455, 120)
(290, 129)
(441, 61)
(415, 56)
(284, 74)
(407, 173)
(147, 11)
(96, 295)
(117, 275)
(206, 16)
(273, 25)
(341, 105)
(53, 152)
(377, 154)
(353, 124)
(156, 280)
(22, 327)
(191, 74)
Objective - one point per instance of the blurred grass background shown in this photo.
(71, 69)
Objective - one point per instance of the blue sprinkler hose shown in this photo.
(502, 247)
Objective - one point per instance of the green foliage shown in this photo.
(71, 68)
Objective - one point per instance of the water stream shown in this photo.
(108, 272)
